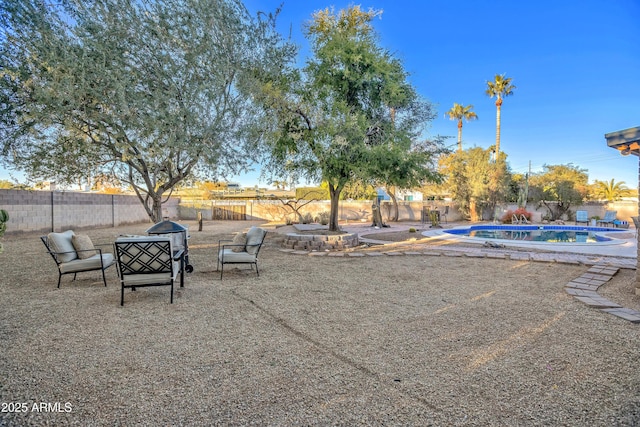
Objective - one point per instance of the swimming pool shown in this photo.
(551, 234)
(608, 241)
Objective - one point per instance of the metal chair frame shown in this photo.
(130, 258)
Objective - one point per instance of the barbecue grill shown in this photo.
(179, 236)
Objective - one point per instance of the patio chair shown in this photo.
(582, 216)
(239, 252)
(148, 261)
(609, 217)
(445, 213)
(74, 254)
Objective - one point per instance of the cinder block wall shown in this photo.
(44, 211)
(357, 211)
(361, 211)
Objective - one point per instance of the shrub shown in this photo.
(323, 218)
(412, 230)
(4, 218)
(508, 216)
(307, 218)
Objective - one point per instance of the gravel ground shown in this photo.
(404, 340)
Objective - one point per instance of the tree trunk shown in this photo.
(498, 108)
(473, 210)
(394, 199)
(376, 215)
(460, 135)
(556, 211)
(334, 195)
(157, 208)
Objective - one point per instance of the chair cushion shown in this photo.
(239, 239)
(254, 237)
(92, 263)
(149, 279)
(83, 246)
(227, 255)
(61, 242)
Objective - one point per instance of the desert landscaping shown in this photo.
(314, 340)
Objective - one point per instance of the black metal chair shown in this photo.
(147, 261)
(67, 259)
(445, 213)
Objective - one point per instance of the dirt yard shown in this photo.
(314, 340)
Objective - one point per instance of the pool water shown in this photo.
(550, 236)
(547, 234)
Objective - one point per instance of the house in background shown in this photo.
(401, 195)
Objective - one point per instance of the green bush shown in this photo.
(307, 218)
(323, 218)
(412, 230)
(4, 218)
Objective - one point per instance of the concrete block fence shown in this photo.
(45, 211)
(360, 211)
(275, 210)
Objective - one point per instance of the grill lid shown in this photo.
(166, 227)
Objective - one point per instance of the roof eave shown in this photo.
(627, 141)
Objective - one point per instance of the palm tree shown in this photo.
(459, 112)
(500, 87)
(611, 190)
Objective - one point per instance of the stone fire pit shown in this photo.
(312, 237)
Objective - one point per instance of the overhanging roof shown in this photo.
(627, 141)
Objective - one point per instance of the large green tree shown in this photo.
(350, 106)
(476, 180)
(499, 88)
(149, 91)
(558, 187)
(404, 165)
(460, 112)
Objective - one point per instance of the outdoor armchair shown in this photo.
(609, 217)
(582, 216)
(75, 253)
(238, 251)
(148, 261)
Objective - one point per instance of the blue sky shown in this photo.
(576, 66)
